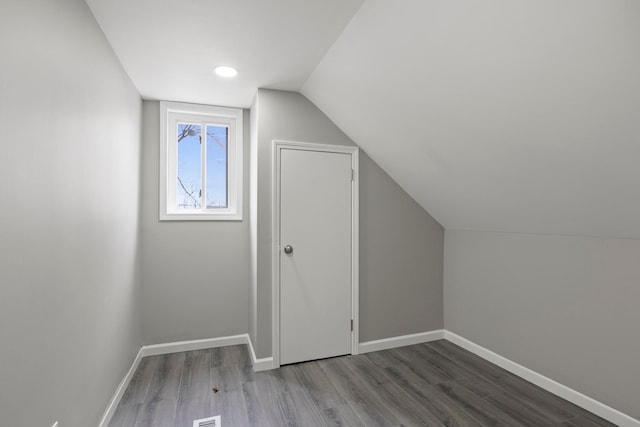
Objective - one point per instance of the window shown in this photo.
(200, 162)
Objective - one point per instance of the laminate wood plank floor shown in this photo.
(432, 384)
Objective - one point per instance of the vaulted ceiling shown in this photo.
(501, 115)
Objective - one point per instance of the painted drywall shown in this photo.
(253, 221)
(275, 43)
(515, 116)
(401, 259)
(195, 274)
(400, 287)
(69, 186)
(565, 307)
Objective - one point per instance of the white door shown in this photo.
(315, 277)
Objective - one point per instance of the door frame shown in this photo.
(278, 146)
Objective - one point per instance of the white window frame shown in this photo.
(170, 114)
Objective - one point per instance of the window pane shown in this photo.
(217, 167)
(189, 185)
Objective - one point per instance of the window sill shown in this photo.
(205, 216)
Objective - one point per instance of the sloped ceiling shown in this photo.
(497, 115)
(518, 116)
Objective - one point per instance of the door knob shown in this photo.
(288, 249)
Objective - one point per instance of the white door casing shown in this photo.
(315, 288)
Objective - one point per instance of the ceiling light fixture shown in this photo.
(226, 71)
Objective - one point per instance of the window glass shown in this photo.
(189, 182)
(217, 160)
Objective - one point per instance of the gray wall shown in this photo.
(69, 187)
(566, 307)
(408, 300)
(253, 222)
(401, 259)
(195, 274)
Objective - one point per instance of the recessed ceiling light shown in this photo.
(226, 71)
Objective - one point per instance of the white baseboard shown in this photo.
(546, 383)
(115, 400)
(263, 364)
(400, 341)
(176, 347)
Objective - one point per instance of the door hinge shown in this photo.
(352, 324)
(353, 174)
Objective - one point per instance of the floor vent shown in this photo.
(208, 422)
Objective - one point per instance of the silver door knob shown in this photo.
(288, 249)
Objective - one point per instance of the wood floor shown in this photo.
(433, 384)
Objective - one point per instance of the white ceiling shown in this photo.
(498, 115)
(169, 48)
